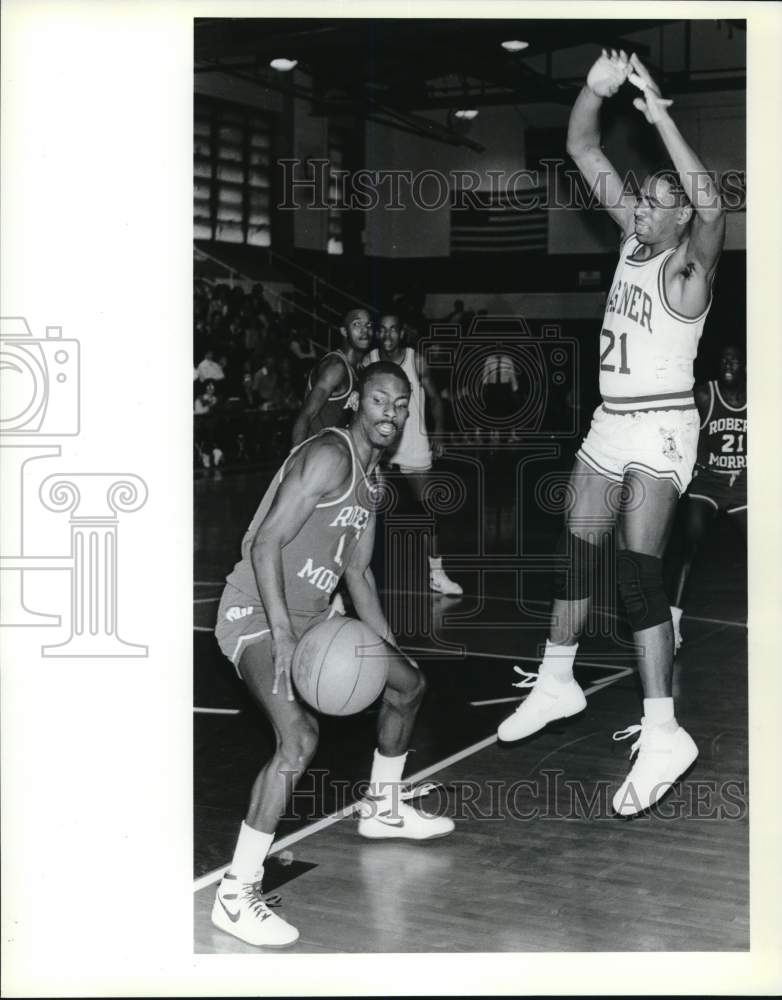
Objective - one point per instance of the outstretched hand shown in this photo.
(653, 105)
(608, 73)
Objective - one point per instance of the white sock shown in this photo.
(658, 711)
(676, 615)
(386, 774)
(435, 562)
(250, 854)
(558, 661)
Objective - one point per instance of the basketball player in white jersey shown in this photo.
(414, 454)
(642, 444)
(719, 483)
(333, 380)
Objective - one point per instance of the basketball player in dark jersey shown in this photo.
(333, 380)
(639, 454)
(719, 483)
(315, 525)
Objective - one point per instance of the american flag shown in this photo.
(486, 221)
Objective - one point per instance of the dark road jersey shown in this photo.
(722, 445)
(316, 558)
(334, 412)
(647, 348)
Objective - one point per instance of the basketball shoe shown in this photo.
(441, 583)
(548, 700)
(383, 817)
(240, 909)
(662, 757)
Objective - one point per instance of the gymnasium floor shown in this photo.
(538, 862)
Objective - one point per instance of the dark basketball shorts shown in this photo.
(241, 624)
(726, 491)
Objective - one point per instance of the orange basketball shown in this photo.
(340, 666)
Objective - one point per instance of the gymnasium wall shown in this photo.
(715, 124)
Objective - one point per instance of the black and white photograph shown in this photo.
(470, 451)
(388, 605)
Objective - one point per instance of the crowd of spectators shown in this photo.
(248, 356)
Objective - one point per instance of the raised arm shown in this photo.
(583, 137)
(327, 381)
(707, 231)
(313, 476)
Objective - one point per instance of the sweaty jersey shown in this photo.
(313, 561)
(413, 450)
(334, 412)
(647, 348)
(722, 445)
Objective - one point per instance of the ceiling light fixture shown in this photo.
(515, 45)
(284, 65)
(466, 113)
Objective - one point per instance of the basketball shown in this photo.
(340, 666)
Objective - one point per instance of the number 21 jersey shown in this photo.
(647, 348)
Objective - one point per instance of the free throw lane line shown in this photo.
(214, 876)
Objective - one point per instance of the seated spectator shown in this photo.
(207, 400)
(265, 382)
(208, 369)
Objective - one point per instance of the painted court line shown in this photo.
(605, 613)
(453, 601)
(597, 686)
(218, 711)
(214, 876)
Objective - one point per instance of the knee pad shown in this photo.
(640, 579)
(573, 582)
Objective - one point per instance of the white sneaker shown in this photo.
(548, 700)
(384, 818)
(662, 758)
(239, 909)
(441, 583)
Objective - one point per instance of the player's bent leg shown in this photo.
(239, 907)
(554, 692)
(383, 813)
(439, 581)
(663, 750)
(699, 515)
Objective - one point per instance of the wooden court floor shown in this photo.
(537, 862)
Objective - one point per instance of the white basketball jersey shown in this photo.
(413, 450)
(647, 348)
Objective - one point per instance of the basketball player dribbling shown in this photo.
(719, 483)
(644, 435)
(314, 526)
(333, 379)
(413, 454)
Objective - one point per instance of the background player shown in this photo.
(644, 435)
(414, 454)
(333, 379)
(719, 482)
(314, 525)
